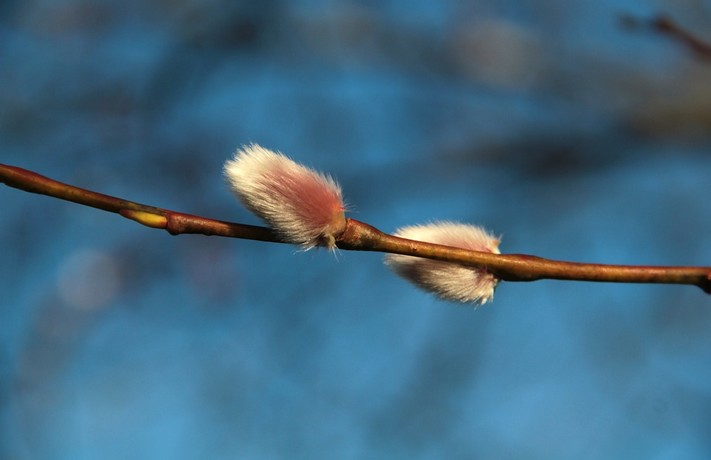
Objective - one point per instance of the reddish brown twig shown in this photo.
(665, 25)
(173, 222)
(522, 267)
(359, 236)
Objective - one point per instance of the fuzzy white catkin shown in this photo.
(448, 280)
(303, 206)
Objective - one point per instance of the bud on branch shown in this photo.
(448, 280)
(306, 208)
(301, 205)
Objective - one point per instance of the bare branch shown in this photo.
(665, 25)
(173, 222)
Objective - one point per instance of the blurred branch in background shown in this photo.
(666, 25)
(363, 237)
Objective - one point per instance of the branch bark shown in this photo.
(359, 236)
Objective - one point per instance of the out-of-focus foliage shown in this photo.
(545, 121)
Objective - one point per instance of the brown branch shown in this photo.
(522, 267)
(359, 236)
(173, 222)
(665, 25)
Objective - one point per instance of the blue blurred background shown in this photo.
(546, 121)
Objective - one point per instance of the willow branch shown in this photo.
(522, 267)
(173, 222)
(665, 25)
(359, 236)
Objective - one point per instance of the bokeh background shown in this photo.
(551, 122)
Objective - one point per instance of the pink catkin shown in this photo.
(447, 280)
(302, 205)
